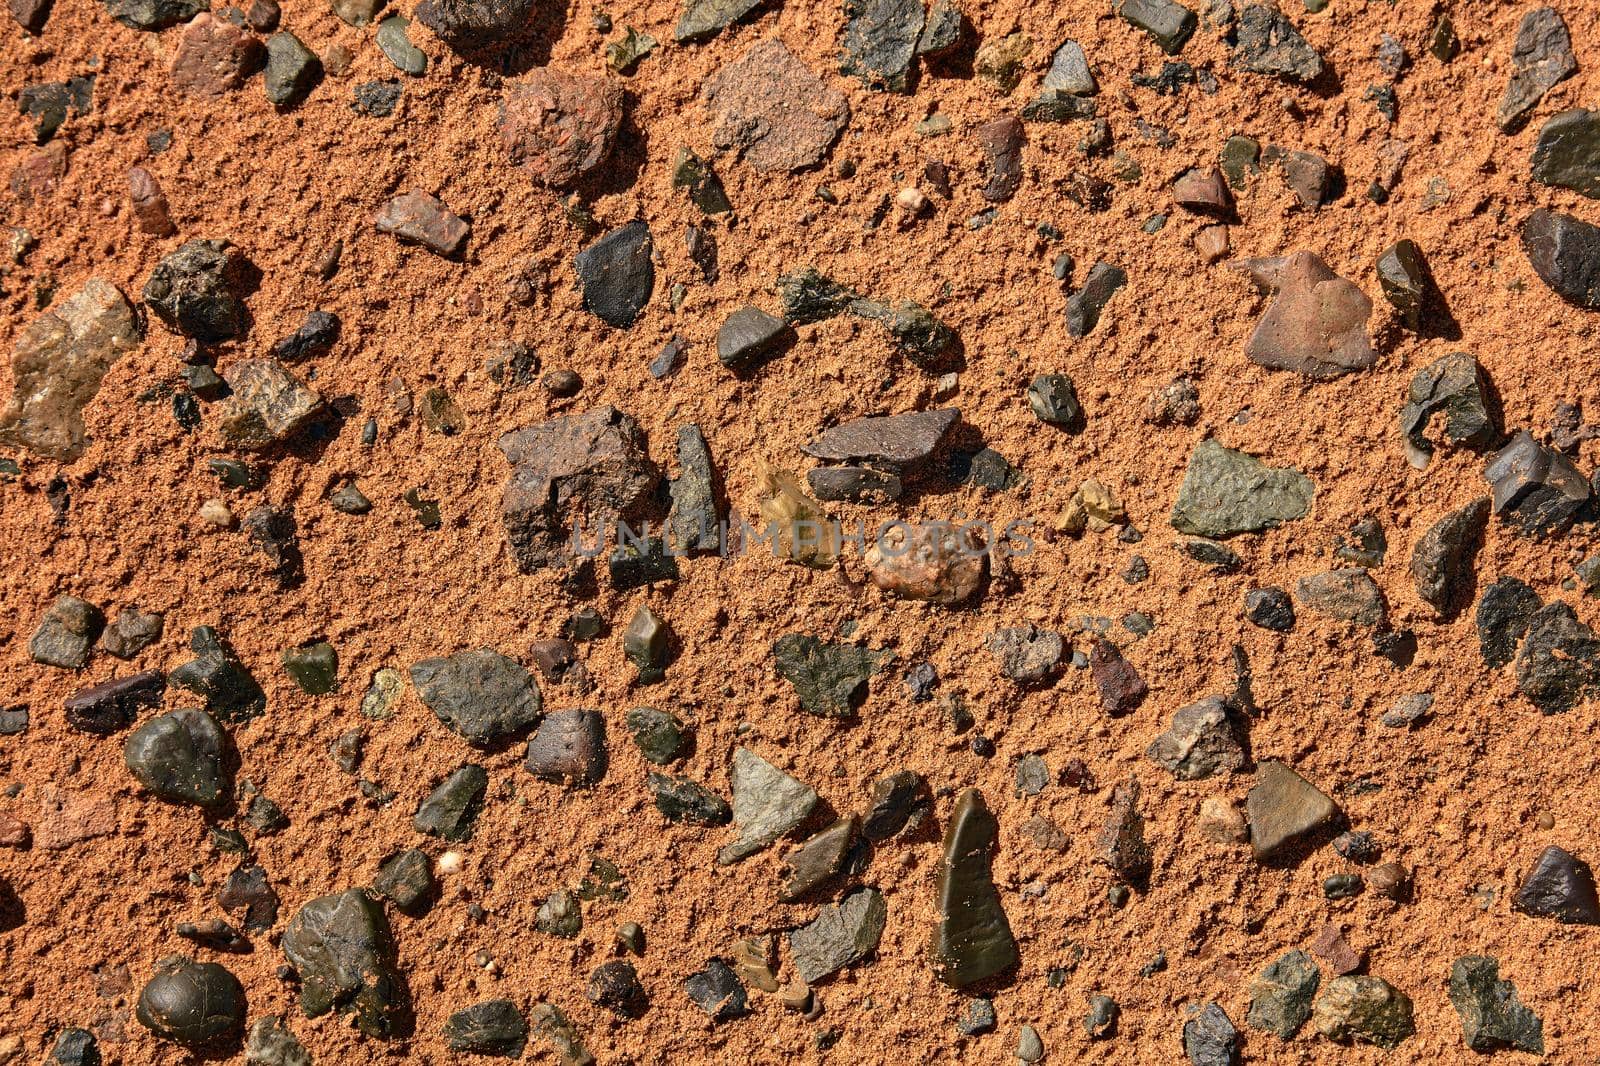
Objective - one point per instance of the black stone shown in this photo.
(1492, 1017)
(682, 800)
(192, 290)
(112, 705)
(247, 889)
(275, 534)
(1408, 284)
(615, 986)
(192, 1002)
(853, 484)
(1170, 24)
(891, 804)
(718, 991)
(1454, 386)
(1209, 1038)
(451, 809)
(616, 273)
(314, 337)
(342, 951)
(750, 336)
(154, 14)
(406, 879)
(1559, 886)
(377, 98)
(1538, 489)
(880, 42)
(472, 26)
(1085, 305)
(1503, 614)
(1565, 253)
(1442, 561)
(1268, 43)
(493, 1027)
(181, 757)
(1568, 152)
(483, 696)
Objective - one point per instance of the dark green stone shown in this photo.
(493, 1027)
(1492, 1017)
(341, 948)
(560, 915)
(661, 737)
(810, 297)
(703, 19)
(818, 860)
(647, 642)
(426, 509)
(406, 879)
(636, 565)
(451, 809)
(1240, 158)
(682, 800)
(1169, 24)
(394, 44)
(217, 676)
(1408, 284)
(921, 338)
(691, 172)
(315, 667)
(181, 757)
(973, 940)
(826, 676)
(191, 1002)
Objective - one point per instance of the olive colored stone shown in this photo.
(767, 803)
(1492, 1017)
(701, 20)
(132, 632)
(1285, 810)
(493, 1027)
(315, 667)
(66, 633)
(891, 803)
(342, 951)
(1368, 1009)
(1280, 998)
(827, 677)
(387, 686)
(682, 800)
(293, 70)
(647, 643)
(1169, 24)
(1442, 561)
(192, 1002)
(691, 173)
(818, 860)
(451, 809)
(1408, 284)
(181, 757)
(560, 915)
(406, 879)
(809, 296)
(396, 46)
(1226, 492)
(483, 696)
(266, 405)
(270, 1044)
(661, 737)
(972, 940)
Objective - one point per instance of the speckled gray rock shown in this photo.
(493, 1027)
(693, 518)
(880, 42)
(483, 696)
(1225, 492)
(1069, 72)
(703, 19)
(1026, 654)
(1492, 1017)
(66, 633)
(1559, 664)
(1203, 740)
(1209, 1038)
(772, 111)
(688, 802)
(1541, 58)
(1280, 998)
(1268, 43)
(132, 632)
(767, 803)
(270, 1044)
(192, 290)
(293, 70)
(1365, 1009)
(840, 936)
(1170, 24)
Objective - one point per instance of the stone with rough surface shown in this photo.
(1365, 1009)
(266, 404)
(1560, 886)
(483, 696)
(558, 126)
(1202, 740)
(767, 803)
(1268, 43)
(1492, 1017)
(476, 25)
(1280, 998)
(772, 111)
(342, 951)
(1565, 253)
(418, 218)
(1316, 324)
(1541, 58)
(214, 56)
(1225, 492)
(840, 936)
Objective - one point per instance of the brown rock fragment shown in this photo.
(929, 561)
(1331, 947)
(214, 56)
(1316, 324)
(417, 218)
(149, 203)
(266, 404)
(1001, 141)
(1222, 822)
(1119, 684)
(1205, 192)
(560, 126)
(1285, 810)
(773, 111)
(40, 173)
(1121, 845)
(31, 15)
(1442, 561)
(1212, 244)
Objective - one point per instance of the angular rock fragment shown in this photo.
(558, 126)
(273, 532)
(559, 1033)
(705, 189)
(973, 940)
(1285, 810)
(1121, 846)
(1365, 1009)
(406, 880)
(647, 642)
(214, 56)
(218, 677)
(1560, 886)
(750, 336)
(1225, 492)
(899, 441)
(193, 292)
(617, 274)
(1559, 664)
(1280, 998)
(660, 737)
(31, 15)
(1001, 140)
(1504, 610)
(270, 1044)
(1309, 176)
(880, 42)
(772, 111)
(190, 1002)
(827, 676)
(1268, 43)
(569, 747)
(894, 798)
(1209, 1038)
(419, 218)
(1567, 153)
(1269, 608)
(1202, 740)
(1565, 253)
(1026, 654)
(1442, 561)
(1492, 1017)
(132, 632)
(341, 948)
(112, 705)
(615, 986)
(795, 525)
(1168, 23)
(1085, 305)
(1538, 489)
(293, 70)
(314, 337)
(451, 810)
(266, 404)
(493, 1027)
(841, 935)
(1053, 398)
(857, 484)
(480, 694)
(1541, 58)
(682, 800)
(818, 860)
(66, 633)
(181, 757)
(718, 991)
(150, 206)
(591, 466)
(767, 803)
(703, 19)
(1343, 595)
(1069, 72)
(942, 30)
(1316, 324)
(1408, 285)
(930, 562)
(1453, 385)
(476, 25)
(1205, 192)
(808, 297)
(1119, 684)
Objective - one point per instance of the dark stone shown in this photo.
(634, 566)
(693, 519)
(1541, 59)
(1202, 740)
(132, 632)
(1209, 1038)
(661, 738)
(617, 274)
(1085, 305)
(1442, 561)
(1342, 886)
(1537, 488)
(560, 915)
(477, 25)
(1359, 848)
(1408, 284)
(315, 667)
(1001, 140)
(1492, 1017)
(266, 406)
(31, 15)
(76, 1047)
(818, 860)
(898, 441)
(113, 705)
(973, 940)
(480, 694)
(1119, 684)
(682, 800)
(1268, 43)
(1568, 152)
(569, 747)
(66, 633)
(920, 337)
(1280, 998)
(190, 1002)
(750, 336)
(1344, 595)
(1363, 1008)
(1170, 24)
(218, 677)
(192, 290)
(377, 98)
(853, 484)
(1055, 105)
(810, 297)
(702, 20)
(840, 935)
(1559, 664)
(315, 336)
(1311, 178)
(977, 1018)
(1219, 557)
(273, 531)
(406, 880)
(418, 218)
(1504, 611)
(342, 951)
(1285, 811)
(181, 757)
(1454, 386)
(1559, 886)
(827, 677)
(451, 810)
(1565, 253)
(493, 1027)
(154, 14)
(615, 986)
(942, 31)
(1053, 399)
(718, 991)
(695, 175)
(293, 70)
(880, 42)
(248, 890)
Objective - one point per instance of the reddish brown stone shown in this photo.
(1331, 947)
(1204, 192)
(40, 173)
(30, 14)
(560, 126)
(1316, 324)
(14, 832)
(772, 110)
(553, 657)
(417, 218)
(214, 56)
(1120, 686)
(149, 203)
(1001, 141)
(933, 562)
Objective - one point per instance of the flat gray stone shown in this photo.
(1280, 998)
(484, 697)
(840, 936)
(1226, 492)
(767, 803)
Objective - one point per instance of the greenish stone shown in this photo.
(1003, 61)
(1492, 1017)
(1280, 998)
(216, 675)
(232, 473)
(921, 338)
(442, 414)
(406, 879)
(1226, 492)
(811, 297)
(703, 19)
(1365, 1009)
(637, 565)
(394, 44)
(1169, 24)
(426, 510)
(705, 189)
(826, 676)
(604, 881)
(880, 42)
(560, 915)
(682, 800)
(819, 859)
(550, 1024)
(622, 56)
(493, 1027)
(1443, 44)
(767, 803)
(647, 642)
(661, 737)
(387, 686)
(451, 810)
(972, 941)
(840, 936)
(315, 668)
(341, 949)
(1240, 157)
(191, 1002)
(1567, 153)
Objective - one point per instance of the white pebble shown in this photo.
(215, 512)
(450, 862)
